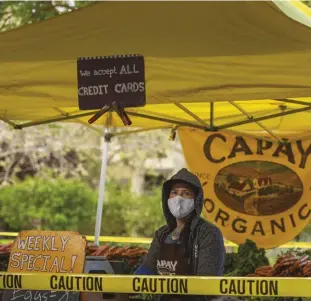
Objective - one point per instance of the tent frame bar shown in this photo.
(122, 133)
(180, 123)
(257, 122)
(64, 117)
(68, 116)
(242, 122)
(9, 122)
(296, 102)
(196, 117)
(64, 113)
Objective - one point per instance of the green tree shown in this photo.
(58, 204)
(61, 149)
(145, 214)
(58, 148)
(18, 13)
(69, 204)
(126, 214)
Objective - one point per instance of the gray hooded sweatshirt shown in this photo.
(205, 245)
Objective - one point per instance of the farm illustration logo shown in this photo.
(258, 187)
(253, 188)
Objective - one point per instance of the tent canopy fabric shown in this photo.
(199, 57)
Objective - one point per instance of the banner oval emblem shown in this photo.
(258, 187)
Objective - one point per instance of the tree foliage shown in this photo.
(18, 13)
(71, 153)
(68, 204)
(131, 215)
(47, 204)
(60, 149)
(74, 150)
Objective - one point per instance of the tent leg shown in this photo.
(102, 182)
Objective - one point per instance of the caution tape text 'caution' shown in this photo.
(238, 286)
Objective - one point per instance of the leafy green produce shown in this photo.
(245, 262)
(230, 263)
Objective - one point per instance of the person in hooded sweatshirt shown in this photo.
(187, 244)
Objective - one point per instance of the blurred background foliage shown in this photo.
(49, 178)
(19, 13)
(47, 203)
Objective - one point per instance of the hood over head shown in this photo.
(182, 176)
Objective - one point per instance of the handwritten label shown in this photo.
(23, 295)
(102, 80)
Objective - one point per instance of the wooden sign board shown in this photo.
(102, 80)
(46, 252)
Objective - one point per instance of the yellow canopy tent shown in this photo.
(210, 65)
(196, 53)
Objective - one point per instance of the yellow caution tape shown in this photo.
(142, 240)
(10, 234)
(239, 286)
(131, 240)
(113, 239)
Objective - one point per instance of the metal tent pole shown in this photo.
(102, 182)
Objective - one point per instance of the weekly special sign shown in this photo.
(253, 188)
(47, 251)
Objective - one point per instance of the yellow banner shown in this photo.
(48, 251)
(253, 188)
(239, 286)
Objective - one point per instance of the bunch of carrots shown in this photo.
(289, 265)
(111, 252)
(6, 248)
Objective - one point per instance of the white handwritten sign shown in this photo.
(102, 80)
(23, 295)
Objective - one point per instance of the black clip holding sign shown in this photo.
(122, 114)
(111, 83)
(98, 114)
(115, 107)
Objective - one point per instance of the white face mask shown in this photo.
(180, 207)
